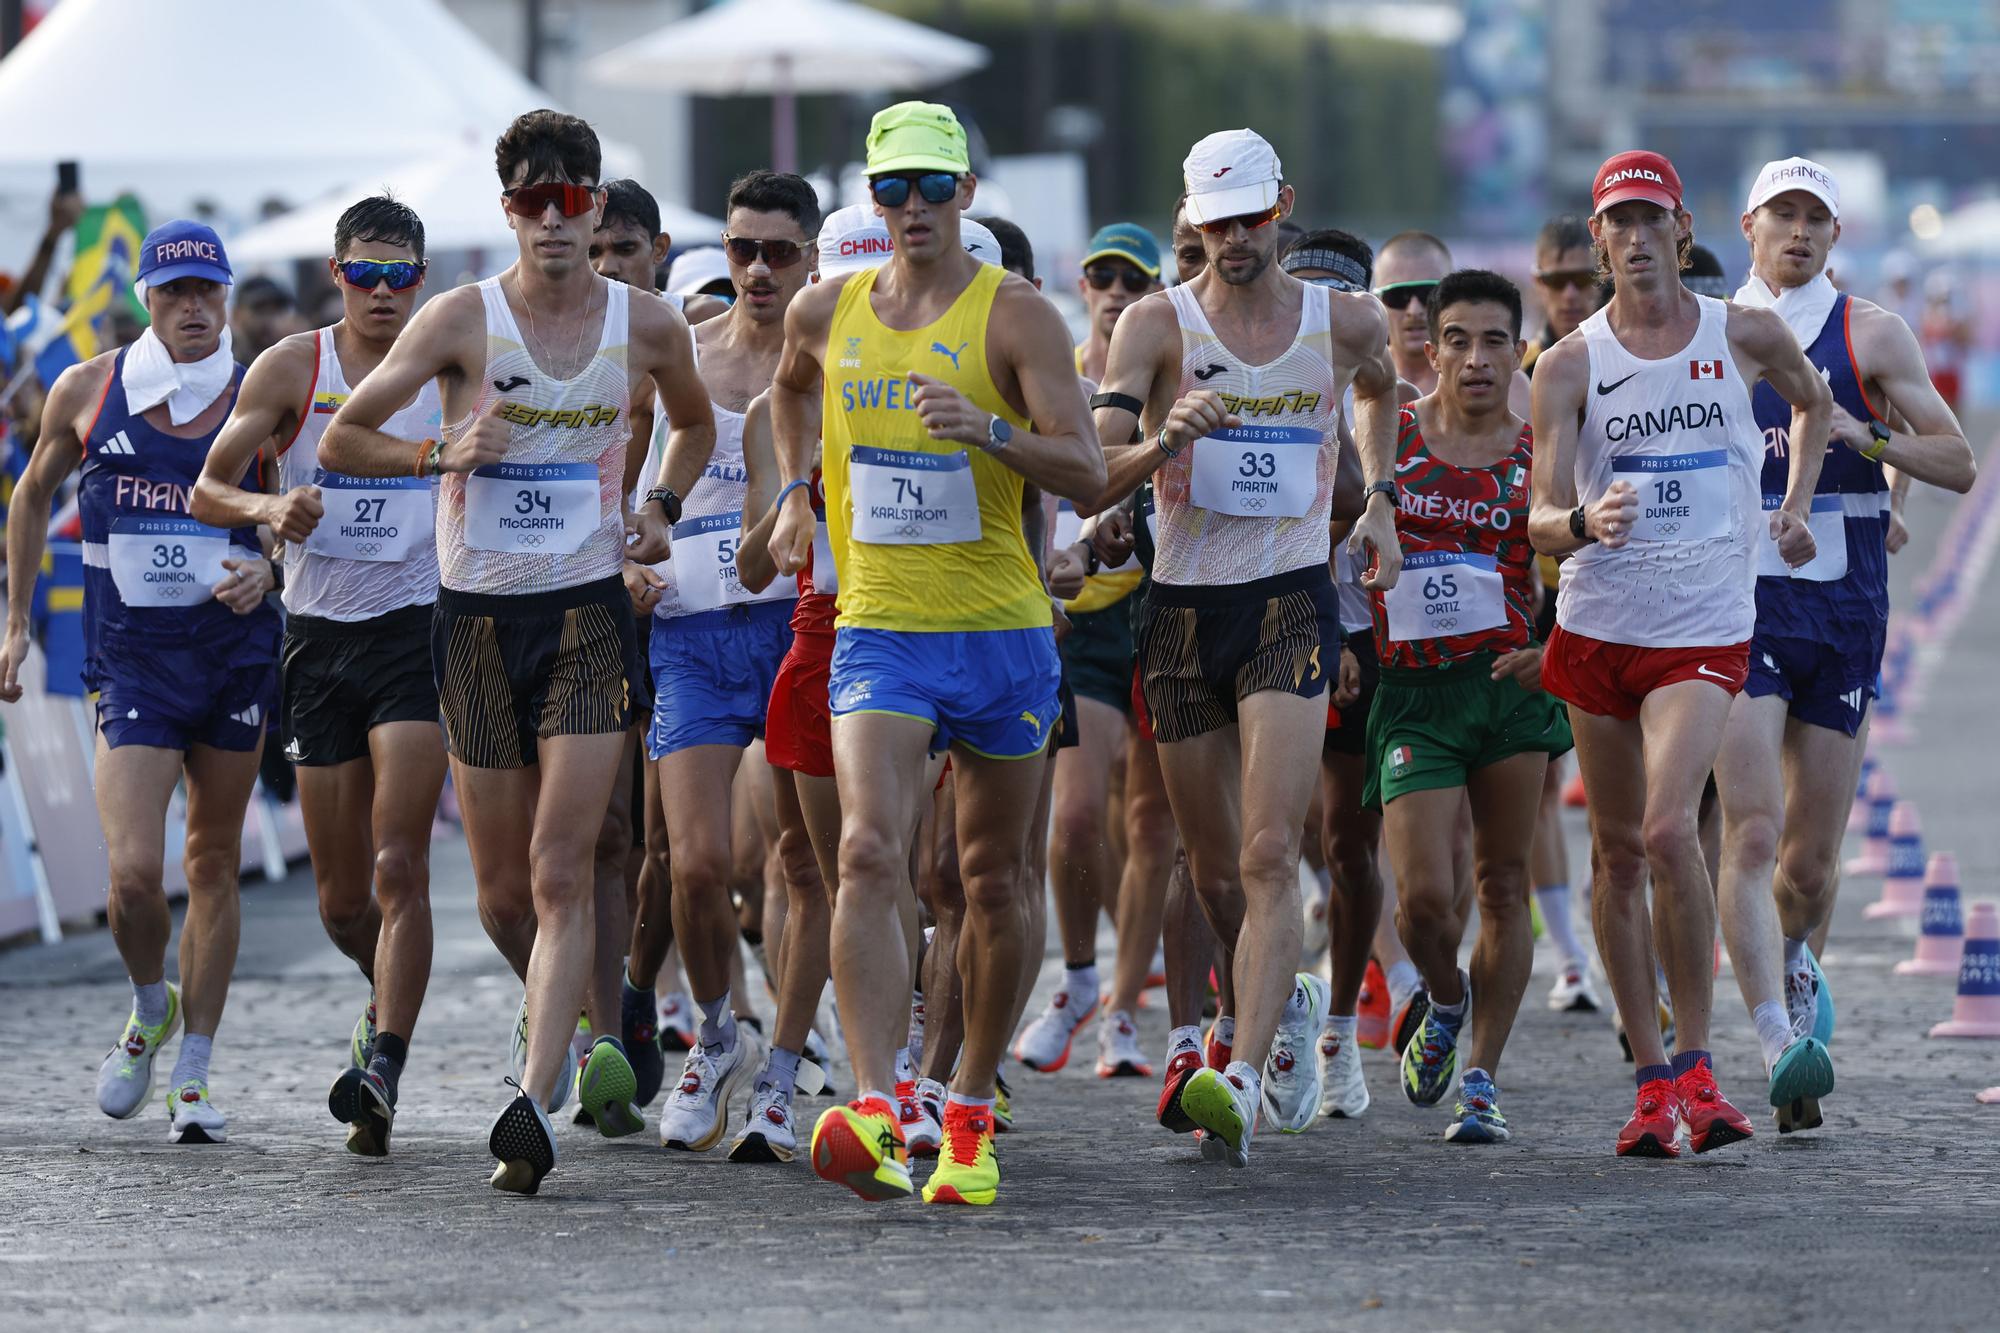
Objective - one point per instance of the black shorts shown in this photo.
(1098, 654)
(513, 669)
(1204, 647)
(1067, 723)
(1347, 727)
(343, 678)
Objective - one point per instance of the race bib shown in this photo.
(551, 508)
(1445, 592)
(166, 561)
(1069, 531)
(705, 565)
(1682, 497)
(912, 499)
(380, 519)
(826, 578)
(1258, 471)
(1828, 526)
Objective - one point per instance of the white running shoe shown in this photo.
(1573, 992)
(1044, 1044)
(1292, 1072)
(1119, 1054)
(195, 1119)
(920, 1115)
(565, 1079)
(1344, 1092)
(125, 1079)
(768, 1134)
(696, 1115)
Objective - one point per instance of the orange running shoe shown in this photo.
(1371, 1026)
(860, 1146)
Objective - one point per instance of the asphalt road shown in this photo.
(1887, 1217)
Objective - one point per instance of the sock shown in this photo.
(1774, 1031)
(1080, 984)
(906, 1068)
(1403, 979)
(1556, 919)
(193, 1061)
(1795, 955)
(980, 1105)
(781, 1072)
(1297, 1004)
(391, 1051)
(1686, 1060)
(1183, 1039)
(150, 1001)
(1453, 1015)
(718, 1025)
(1225, 1030)
(1341, 1026)
(1647, 1073)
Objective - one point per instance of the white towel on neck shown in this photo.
(1803, 308)
(152, 377)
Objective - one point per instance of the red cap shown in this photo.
(1636, 175)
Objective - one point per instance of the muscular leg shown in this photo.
(1504, 798)
(1033, 903)
(219, 783)
(652, 912)
(408, 761)
(1817, 761)
(944, 990)
(1351, 834)
(1610, 753)
(1080, 846)
(498, 807)
(809, 911)
(694, 784)
(1150, 843)
(997, 804)
(337, 801)
(612, 930)
(1747, 776)
(1429, 916)
(134, 785)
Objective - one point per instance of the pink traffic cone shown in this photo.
(1943, 932)
(1903, 886)
(1857, 814)
(1976, 1013)
(1887, 724)
(1874, 858)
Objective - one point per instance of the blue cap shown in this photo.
(1128, 241)
(182, 249)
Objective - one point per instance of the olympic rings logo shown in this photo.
(368, 548)
(1667, 529)
(532, 539)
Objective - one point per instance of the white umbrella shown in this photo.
(1971, 230)
(788, 47)
(458, 198)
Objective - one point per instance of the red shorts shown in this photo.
(1613, 679)
(798, 729)
(1140, 717)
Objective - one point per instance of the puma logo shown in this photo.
(944, 351)
(513, 382)
(1209, 373)
(1034, 722)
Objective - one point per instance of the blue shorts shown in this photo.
(1827, 684)
(712, 675)
(178, 698)
(990, 691)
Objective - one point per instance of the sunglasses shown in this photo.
(368, 274)
(894, 191)
(1574, 278)
(1250, 221)
(1398, 295)
(531, 201)
(1102, 276)
(746, 251)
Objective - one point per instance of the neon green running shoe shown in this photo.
(126, 1077)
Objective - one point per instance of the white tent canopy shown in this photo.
(1971, 230)
(235, 101)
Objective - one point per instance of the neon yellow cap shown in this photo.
(916, 136)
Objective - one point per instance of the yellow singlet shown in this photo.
(932, 575)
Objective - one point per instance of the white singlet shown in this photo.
(549, 517)
(701, 572)
(1680, 429)
(1251, 503)
(375, 550)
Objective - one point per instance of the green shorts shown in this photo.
(1430, 728)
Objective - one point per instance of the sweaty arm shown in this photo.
(1141, 366)
(72, 400)
(794, 396)
(1058, 451)
(1361, 338)
(1764, 338)
(669, 351)
(447, 339)
(643, 399)
(1561, 379)
(268, 409)
(1926, 440)
(754, 565)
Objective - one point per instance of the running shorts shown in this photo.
(994, 692)
(1613, 679)
(1827, 684)
(1098, 655)
(1205, 647)
(798, 729)
(178, 698)
(343, 678)
(1430, 728)
(712, 675)
(1347, 728)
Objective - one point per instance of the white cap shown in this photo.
(1795, 173)
(851, 239)
(979, 242)
(695, 269)
(1229, 174)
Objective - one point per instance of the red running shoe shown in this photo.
(1184, 1066)
(1215, 1051)
(1655, 1118)
(1371, 1027)
(1711, 1120)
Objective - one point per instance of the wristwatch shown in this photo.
(1383, 487)
(1880, 430)
(1577, 527)
(669, 501)
(999, 434)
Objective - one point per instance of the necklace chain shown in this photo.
(576, 353)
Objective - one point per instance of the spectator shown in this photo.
(262, 316)
(64, 210)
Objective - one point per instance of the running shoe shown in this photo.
(1371, 1026)
(677, 1022)
(1477, 1118)
(1215, 1052)
(1181, 1066)
(1344, 1092)
(565, 1076)
(1119, 1054)
(1222, 1106)
(1711, 1121)
(858, 1145)
(696, 1114)
(1796, 1116)
(639, 1028)
(1655, 1124)
(1809, 1003)
(1410, 1016)
(1292, 1083)
(1573, 993)
(922, 1123)
(361, 1047)
(125, 1079)
(1003, 1103)
(194, 1117)
(1804, 1071)
(968, 1170)
(768, 1134)
(1044, 1044)
(361, 1101)
(524, 1143)
(1430, 1060)
(608, 1087)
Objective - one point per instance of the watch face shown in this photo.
(1002, 430)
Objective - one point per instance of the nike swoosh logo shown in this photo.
(1703, 670)
(1604, 388)
(516, 382)
(1209, 373)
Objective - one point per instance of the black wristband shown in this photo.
(669, 501)
(1578, 528)
(1125, 400)
(1385, 487)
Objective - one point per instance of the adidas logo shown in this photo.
(294, 751)
(118, 444)
(249, 717)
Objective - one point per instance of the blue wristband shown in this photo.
(788, 489)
